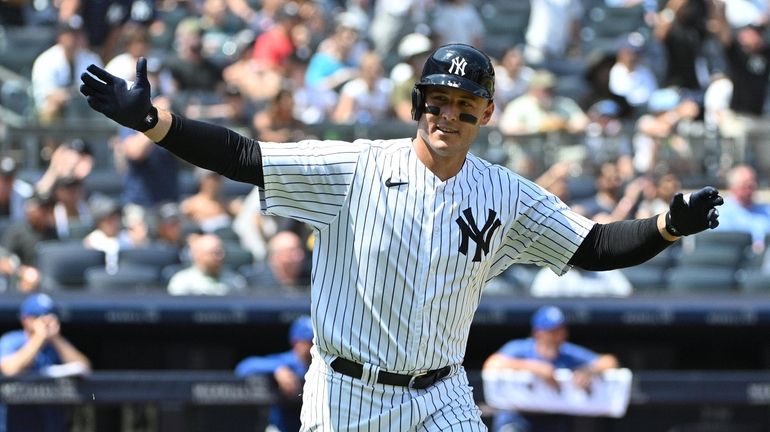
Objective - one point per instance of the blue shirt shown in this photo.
(754, 219)
(31, 417)
(152, 180)
(285, 417)
(570, 356)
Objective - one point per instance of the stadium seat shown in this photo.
(155, 256)
(62, 264)
(237, 256)
(651, 276)
(724, 239)
(127, 278)
(755, 282)
(701, 279)
(104, 181)
(712, 256)
(227, 234)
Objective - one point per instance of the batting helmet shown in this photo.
(458, 66)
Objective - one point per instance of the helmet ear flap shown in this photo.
(418, 103)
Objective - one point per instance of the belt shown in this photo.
(419, 381)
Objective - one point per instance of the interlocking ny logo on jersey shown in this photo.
(482, 237)
(458, 66)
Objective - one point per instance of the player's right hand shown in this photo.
(130, 107)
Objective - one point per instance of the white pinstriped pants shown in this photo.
(335, 402)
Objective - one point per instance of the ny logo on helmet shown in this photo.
(458, 66)
(481, 236)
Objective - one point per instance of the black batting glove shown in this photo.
(131, 107)
(698, 213)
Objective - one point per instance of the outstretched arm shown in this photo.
(205, 145)
(628, 243)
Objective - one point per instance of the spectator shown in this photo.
(366, 99)
(190, 70)
(56, 70)
(681, 28)
(21, 238)
(207, 275)
(582, 283)
(629, 77)
(273, 48)
(15, 276)
(658, 145)
(512, 77)
(168, 225)
(334, 62)
(150, 173)
(254, 228)
(606, 139)
(136, 43)
(540, 111)
(219, 27)
(38, 347)
(13, 191)
(657, 196)
(457, 21)
(276, 123)
(547, 350)
(413, 50)
(288, 369)
(71, 158)
(106, 233)
(741, 212)
(70, 209)
(392, 20)
(740, 13)
(207, 208)
(553, 29)
(287, 267)
(612, 202)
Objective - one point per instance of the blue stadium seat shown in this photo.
(62, 264)
(127, 278)
(701, 280)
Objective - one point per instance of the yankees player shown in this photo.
(408, 233)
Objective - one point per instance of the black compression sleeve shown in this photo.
(215, 148)
(620, 244)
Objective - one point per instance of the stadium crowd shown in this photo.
(610, 104)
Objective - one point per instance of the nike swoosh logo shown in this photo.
(390, 183)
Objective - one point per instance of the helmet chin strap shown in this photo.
(464, 117)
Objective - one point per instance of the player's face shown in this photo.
(451, 129)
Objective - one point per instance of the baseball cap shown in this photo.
(547, 318)
(414, 44)
(301, 330)
(7, 166)
(169, 212)
(606, 108)
(542, 79)
(37, 304)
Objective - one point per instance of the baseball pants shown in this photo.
(335, 402)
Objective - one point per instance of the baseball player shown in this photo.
(408, 232)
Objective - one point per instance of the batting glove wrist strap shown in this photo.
(109, 95)
(694, 213)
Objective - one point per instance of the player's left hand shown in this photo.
(694, 213)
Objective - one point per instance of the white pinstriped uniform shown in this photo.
(391, 286)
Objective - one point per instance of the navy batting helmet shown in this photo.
(458, 66)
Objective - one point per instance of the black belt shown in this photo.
(419, 381)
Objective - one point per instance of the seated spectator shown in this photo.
(612, 202)
(658, 195)
(207, 275)
(629, 77)
(273, 48)
(288, 369)
(581, 283)
(207, 208)
(287, 267)
(56, 70)
(38, 347)
(276, 123)
(115, 229)
(190, 70)
(168, 225)
(366, 99)
(13, 191)
(253, 227)
(413, 50)
(741, 212)
(335, 61)
(22, 237)
(540, 111)
(606, 139)
(15, 276)
(72, 158)
(70, 207)
(658, 147)
(512, 78)
(136, 43)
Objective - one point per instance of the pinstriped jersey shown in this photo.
(401, 257)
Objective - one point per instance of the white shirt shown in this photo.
(395, 281)
(581, 283)
(550, 24)
(635, 85)
(371, 104)
(51, 71)
(458, 23)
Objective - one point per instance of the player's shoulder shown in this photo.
(498, 173)
(387, 146)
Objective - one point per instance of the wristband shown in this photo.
(670, 228)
